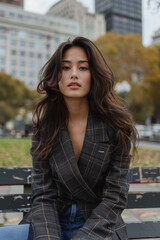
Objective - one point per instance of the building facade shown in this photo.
(91, 25)
(156, 38)
(122, 16)
(27, 40)
(13, 2)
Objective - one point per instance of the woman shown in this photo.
(80, 148)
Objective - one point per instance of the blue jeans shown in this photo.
(71, 220)
(16, 232)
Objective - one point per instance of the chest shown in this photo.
(77, 135)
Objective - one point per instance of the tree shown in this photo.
(138, 65)
(13, 96)
(154, 3)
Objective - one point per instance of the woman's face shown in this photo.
(76, 76)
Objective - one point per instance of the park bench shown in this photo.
(138, 175)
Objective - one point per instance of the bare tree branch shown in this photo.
(154, 5)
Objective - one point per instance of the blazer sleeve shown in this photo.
(44, 192)
(103, 218)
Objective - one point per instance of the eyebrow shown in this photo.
(80, 61)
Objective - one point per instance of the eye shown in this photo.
(83, 68)
(65, 68)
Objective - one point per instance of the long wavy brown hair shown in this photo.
(51, 112)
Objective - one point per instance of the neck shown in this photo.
(78, 109)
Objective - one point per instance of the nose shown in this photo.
(74, 74)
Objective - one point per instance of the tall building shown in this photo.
(91, 25)
(122, 16)
(13, 2)
(27, 40)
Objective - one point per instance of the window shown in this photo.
(22, 63)
(2, 69)
(57, 39)
(20, 16)
(31, 84)
(2, 13)
(2, 60)
(22, 34)
(31, 64)
(47, 46)
(13, 42)
(13, 62)
(2, 51)
(13, 73)
(47, 56)
(22, 73)
(31, 35)
(3, 30)
(38, 45)
(48, 37)
(13, 32)
(39, 36)
(39, 65)
(31, 74)
(31, 44)
(22, 53)
(31, 54)
(13, 52)
(2, 40)
(39, 55)
(22, 43)
(11, 14)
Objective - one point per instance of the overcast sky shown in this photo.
(150, 17)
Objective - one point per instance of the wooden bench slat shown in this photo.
(143, 200)
(15, 203)
(145, 175)
(22, 175)
(143, 230)
(135, 200)
(15, 176)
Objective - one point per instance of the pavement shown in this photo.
(148, 144)
(144, 214)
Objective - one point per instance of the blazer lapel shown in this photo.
(95, 155)
(71, 173)
(96, 130)
(67, 167)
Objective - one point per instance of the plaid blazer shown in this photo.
(98, 183)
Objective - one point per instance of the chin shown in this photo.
(76, 96)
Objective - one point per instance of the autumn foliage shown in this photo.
(13, 96)
(139, 66)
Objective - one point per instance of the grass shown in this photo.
(14, 152)
(147, 157)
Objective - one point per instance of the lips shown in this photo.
(74, 84)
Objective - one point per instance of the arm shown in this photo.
(44, 212)
(113, 200)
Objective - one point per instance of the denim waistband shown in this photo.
(72, 214)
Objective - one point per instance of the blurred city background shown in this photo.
(31, 30)
(126, 32)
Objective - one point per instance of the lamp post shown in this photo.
(123, 88)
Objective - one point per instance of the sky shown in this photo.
(150, 16)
